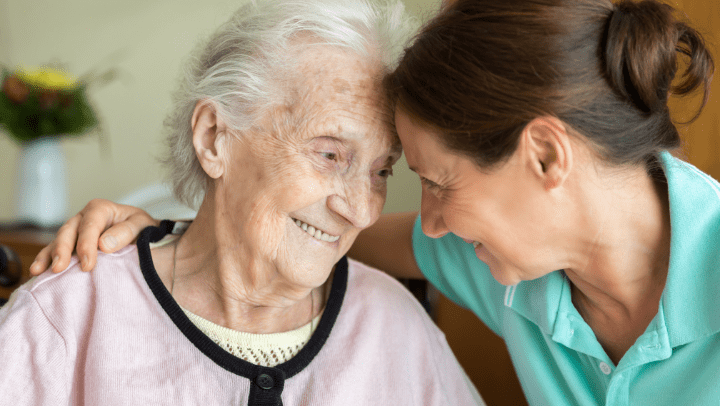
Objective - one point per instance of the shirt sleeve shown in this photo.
(451, 265)
(32, 354)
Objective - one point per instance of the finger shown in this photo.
(61, 249)
(124, 233)
(42, 261)
(98, 215)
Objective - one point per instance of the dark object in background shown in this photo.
(10, 267)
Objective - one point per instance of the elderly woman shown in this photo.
(282, 130)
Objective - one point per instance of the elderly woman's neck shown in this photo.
(218, 276)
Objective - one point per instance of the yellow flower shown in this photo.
(47, 78)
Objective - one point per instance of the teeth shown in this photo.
(475, 244)
(316, 233)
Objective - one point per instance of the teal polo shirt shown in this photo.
(556, 354)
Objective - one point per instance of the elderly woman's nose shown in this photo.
(432, 222)
(356, 203)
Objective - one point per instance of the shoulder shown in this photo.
(375, 291)
(365, 274)
(375, 284)
(70, 291)
(386, 313)
(688, 185)
(48, 281)
(694, 213)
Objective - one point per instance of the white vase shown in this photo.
(42, 183)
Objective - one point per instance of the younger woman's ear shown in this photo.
(209, 132)
(549, 150)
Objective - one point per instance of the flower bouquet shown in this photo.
(44, 102)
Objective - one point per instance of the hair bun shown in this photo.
(643, 39)
(640, 52)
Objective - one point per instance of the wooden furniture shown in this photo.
(26, 242)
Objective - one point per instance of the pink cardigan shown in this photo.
(115, 337)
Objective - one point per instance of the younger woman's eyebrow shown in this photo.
(414, 169)
(396, 149)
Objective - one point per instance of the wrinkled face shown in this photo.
(495, 210)
(304, 183)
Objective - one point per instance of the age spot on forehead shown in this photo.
(340, 85)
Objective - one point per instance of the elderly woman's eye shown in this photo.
(330, 156)
(385, 173)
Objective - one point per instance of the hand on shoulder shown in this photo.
(100, 224)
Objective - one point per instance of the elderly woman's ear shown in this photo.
(210, 138)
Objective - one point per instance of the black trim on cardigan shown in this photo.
(267, 383)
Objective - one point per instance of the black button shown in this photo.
(265, 381)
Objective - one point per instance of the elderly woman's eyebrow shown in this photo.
(328, 139)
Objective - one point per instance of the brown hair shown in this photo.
(482, 69)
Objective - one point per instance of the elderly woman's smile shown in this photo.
(316, 232)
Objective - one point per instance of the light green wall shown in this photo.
(146, 40)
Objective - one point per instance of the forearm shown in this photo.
(387, 245)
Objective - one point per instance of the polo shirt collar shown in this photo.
(547, 302)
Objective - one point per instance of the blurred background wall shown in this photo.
(146, 40)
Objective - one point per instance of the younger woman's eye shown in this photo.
(430, 184)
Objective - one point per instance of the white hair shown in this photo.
(237, 68)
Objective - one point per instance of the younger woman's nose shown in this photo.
(431, 218)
